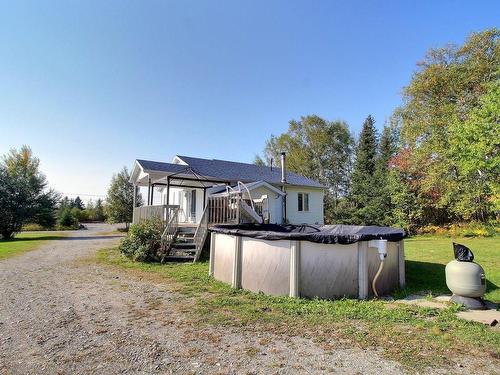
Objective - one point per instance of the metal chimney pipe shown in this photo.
(271, 163)
(283, 168)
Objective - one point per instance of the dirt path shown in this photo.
(61, 315)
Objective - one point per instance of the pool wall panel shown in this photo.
(265, 266)
(324, 271)
(389, 278)
(224, 257)
(328, 271)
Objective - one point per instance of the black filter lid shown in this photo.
(462, 253)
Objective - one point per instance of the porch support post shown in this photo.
(168, 190)
(204, 197)
(149, 189)
(152, 192)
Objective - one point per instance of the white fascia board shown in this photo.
(178, 160)
(266, 185)
(136, 172)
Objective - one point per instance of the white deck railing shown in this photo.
(161, 212)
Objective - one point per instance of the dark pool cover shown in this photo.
(327, 234)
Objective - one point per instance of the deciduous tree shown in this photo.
(444, 95)
(318, 149)
(119, 201)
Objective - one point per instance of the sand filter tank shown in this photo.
(466, 279)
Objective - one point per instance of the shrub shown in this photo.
(143, 241)
(80, 215)
(472, 229)
(66, 219)
(34, 227)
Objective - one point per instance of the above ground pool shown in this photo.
(311, 261)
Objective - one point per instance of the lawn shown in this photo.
(427, 256)
(416, 337)
(25, 242)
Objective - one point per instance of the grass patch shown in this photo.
(427, 256)
(24, 242)
(416, 337)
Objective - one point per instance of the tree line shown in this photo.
(436, 160)
(27, 202)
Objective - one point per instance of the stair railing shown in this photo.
(170, 231)
(201, 233)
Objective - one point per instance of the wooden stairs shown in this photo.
(183, 247)
(184, 243)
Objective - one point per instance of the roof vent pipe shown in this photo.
(271, 163)
(283, 168)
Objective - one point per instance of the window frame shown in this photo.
(302, 200)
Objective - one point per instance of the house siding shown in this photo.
(315, 215)
(175, 198)
(275, 203)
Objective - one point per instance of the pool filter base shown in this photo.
(471, 303)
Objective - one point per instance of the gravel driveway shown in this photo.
(61, 314)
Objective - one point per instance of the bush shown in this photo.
(143, 241)
(33, 227)
(67, 219)
(80, 215)
(473, 229)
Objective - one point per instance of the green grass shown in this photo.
(417, 337)
(24, 242)
(427, 256)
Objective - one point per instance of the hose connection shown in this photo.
(381, 246)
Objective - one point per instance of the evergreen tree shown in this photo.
(99, 211)
(24, 196)
(387, 149)
(64, 203)
(78, 203)
(365, 189)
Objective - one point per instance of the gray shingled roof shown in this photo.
(159, 166)
(228, 171)
(235, 171)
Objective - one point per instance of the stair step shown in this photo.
(186, 230)
(180, 245)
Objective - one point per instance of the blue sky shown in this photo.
(93, 85)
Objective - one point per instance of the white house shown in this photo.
(279, 196)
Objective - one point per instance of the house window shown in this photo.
(193, 203)
(303, 202)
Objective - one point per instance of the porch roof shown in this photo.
(145, 172)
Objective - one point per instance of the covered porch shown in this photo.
(168, 187)
(188, 203)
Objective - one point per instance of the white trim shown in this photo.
(304, 194)
(134, 176)
(178, 160)
(260, 183)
